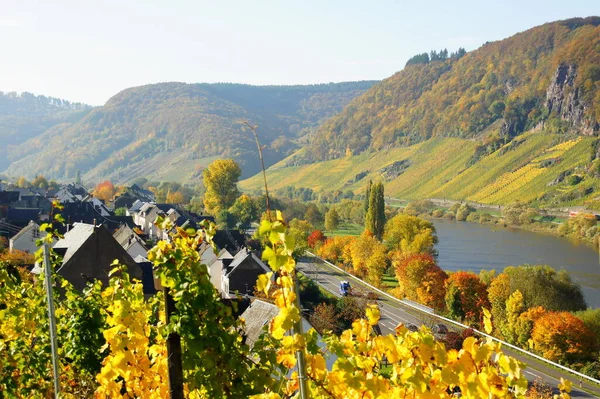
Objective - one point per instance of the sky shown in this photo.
(88, 51)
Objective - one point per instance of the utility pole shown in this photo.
(50, 300)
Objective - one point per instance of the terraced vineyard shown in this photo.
(439, 168)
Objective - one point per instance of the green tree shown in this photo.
(220, 180)
(410, 235)
(375, 218)
(368, 196)
(299, 230)
(514, 307)
(313, 215)
(244, 209)
(332, 219)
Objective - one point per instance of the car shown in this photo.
(412, 327)
(345, 288)
(439, 329)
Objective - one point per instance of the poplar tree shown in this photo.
(368, 196)
(375, 217)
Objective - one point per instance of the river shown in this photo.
(473, 246)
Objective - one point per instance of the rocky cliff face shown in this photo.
(564, 100)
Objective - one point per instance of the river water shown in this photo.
(473, 246)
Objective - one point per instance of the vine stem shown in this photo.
(262, 164)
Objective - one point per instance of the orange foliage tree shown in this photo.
(175, 197)
(17, 258)
(466, 295)
(316, 238)
(105, 190)
(421, 280)
(335, 250)
(560, 336)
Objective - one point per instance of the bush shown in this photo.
(438, 213)
(463, 212)
(449, 216)
(473, 217)
(574, 180)
(485, 218)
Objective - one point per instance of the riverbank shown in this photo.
(556, 222)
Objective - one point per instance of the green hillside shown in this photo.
(171, 130)
(513, 120)
(25, 116)
(548, 75)
(534, 167)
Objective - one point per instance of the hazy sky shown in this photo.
(89, 50)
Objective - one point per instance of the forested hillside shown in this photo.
(547, 76)
(24, 116)
(171, 130)
(514, 120)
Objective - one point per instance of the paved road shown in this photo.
(394, 312)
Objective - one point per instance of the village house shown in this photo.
(88, 252)
(131, 242)
(25, 240)
(239, 275)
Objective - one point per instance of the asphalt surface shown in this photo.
(394, 312)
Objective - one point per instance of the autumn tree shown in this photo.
(375, 217)
(562, 337)
(524, 325)
(40, 182)
(469, 290)
(410, 235)
(22, 182)
(325, 319)
(244, 209)
(175, 197)
(220, 180)
(105, 190)
(369, 258)
(514, 307)
(332, 219)
(421, 279)
(316, 238)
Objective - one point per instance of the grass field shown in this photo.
(345, 229)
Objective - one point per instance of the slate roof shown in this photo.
(137, 205)
(29, 227)
(126, 237)
(74, 239)
(257, 316)
(8, 197)
(241, 256)
(22, 215)
(232, 241)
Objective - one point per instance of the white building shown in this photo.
(25, 240)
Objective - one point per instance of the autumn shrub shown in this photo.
(562, 337)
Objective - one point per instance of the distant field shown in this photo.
(442, 168)
(346, 229)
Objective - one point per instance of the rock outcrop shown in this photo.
(563, 99)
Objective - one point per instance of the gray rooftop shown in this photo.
(74, 239)
(258, 315)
